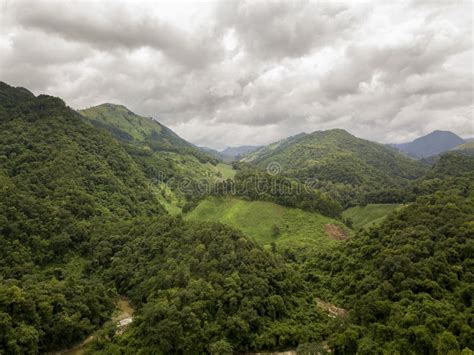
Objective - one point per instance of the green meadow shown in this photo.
(267, 222)
(370, 215)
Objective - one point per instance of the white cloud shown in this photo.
(245, 72)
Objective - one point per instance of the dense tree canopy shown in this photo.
(81, 222)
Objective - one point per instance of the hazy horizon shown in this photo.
(250, 73)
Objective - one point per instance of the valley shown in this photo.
(351, 246)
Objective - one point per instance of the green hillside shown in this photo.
(337, 156)
(128, 126)
(165, 158)
(267, 222)
(369, 215)
(347, 167)
(408, 282)
(80, 224)
(60, 179)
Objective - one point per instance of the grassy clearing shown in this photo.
(267, 222)
(370, 215)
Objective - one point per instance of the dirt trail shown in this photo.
(335, 232)
(122, 319)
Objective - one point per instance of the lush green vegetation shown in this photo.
(409, 282)
(59, 179)
(80, 223)
(128, 126)
(268, 223)
(346, 167)
(83, 220)
(164, 157)
(204, 288)
(369, 215)
(253, 184)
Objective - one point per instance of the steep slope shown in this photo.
(167, 160)
(408, 282)
(130, 127)
(338, 157)
(432, 144)
(60, 178)
(216, 154)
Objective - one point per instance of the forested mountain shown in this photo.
(409, 282)
(130, 127)
(166, 159)
(432, 144)
(60, 177)
(346, 166)
(82, 221)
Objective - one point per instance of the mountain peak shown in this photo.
(431, 144)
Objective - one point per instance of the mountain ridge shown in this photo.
(430, 144)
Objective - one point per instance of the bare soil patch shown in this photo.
(333, 310)
(335, 232)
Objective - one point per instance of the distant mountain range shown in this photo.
(431, 144)
(230, 154)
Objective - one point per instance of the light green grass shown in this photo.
(226, 170)
(120, 117)
(370, 215)
(299, 230)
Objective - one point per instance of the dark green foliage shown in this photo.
(202, 287)
(408, 282)
(80, 224)
(254, 184)
(75, 225)
(42, 313)
(58, 178)
(452, 164)
(338, 163)
(56, 171)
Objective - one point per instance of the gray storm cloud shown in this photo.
(246, 72)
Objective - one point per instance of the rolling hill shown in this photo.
(431, 144)
(267, 223)
(338, 157)
(468, 146)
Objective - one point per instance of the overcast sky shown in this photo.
(252, 72)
